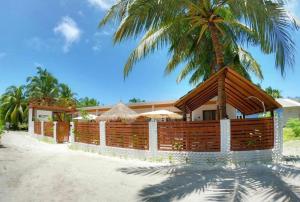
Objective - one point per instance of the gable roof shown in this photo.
(240, 93)
(288, 102)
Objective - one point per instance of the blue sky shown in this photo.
(62, 36)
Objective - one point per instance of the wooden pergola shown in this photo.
(239, 93)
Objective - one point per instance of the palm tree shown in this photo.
(87, 102)
(43, 86)
(275, 93)
(14, 106)
(205, 34)
(66, 95)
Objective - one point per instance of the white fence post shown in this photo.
(153, 138)
(225, 135)
(30, 122)
(42, 128)
(102, 136)
(278, 134)
(72, 135)
(54, 131)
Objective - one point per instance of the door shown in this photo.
(62, 132)
(209, 115)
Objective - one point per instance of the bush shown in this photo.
(294, 125)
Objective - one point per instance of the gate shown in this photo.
(62, 132)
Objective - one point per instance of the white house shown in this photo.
(291, 109)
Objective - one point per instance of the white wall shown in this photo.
(42, 115)
(290, 113)
(198, 113)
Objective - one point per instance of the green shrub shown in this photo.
(294, 125)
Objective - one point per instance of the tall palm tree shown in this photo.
(14, 106)
(43, 86)
(66, 95)
(203, 33)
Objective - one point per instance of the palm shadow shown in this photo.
(220, 184)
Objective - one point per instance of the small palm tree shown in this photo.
(14, 105)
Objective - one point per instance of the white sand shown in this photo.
(35, 171)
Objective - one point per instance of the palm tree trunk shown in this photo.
(222, 114)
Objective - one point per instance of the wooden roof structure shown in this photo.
(240, 93)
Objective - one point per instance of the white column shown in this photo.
(54, 131)
(72, 135)
(278, 133)
(153, 138)
(42, 128)
(225, 135)
(102, 136)
(30, 122)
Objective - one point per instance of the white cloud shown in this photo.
(2, 55)
(102, 4)
(69, 30)
(293, 7)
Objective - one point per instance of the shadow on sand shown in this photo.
(267, 183)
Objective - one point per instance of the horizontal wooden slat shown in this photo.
(37, 128)
(87, 132)
(202, 136)
(48, 129)
(252, 134)
(128, 135)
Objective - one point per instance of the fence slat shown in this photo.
(198, 136)
(87, 132)
(252, 134)
(128, 135)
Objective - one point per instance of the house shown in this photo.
(242, 99)
(291, 109)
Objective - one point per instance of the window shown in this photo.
(209, 115)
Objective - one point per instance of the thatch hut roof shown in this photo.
(118, 112)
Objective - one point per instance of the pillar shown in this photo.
(278, 134)
(30, 122)
(72, 134)
(55, 131)
(153, 144)
(42, 128)
(225, 135)
(102, 136)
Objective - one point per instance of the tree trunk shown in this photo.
(222, 114)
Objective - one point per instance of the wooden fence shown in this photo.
(48, 129)
(62, 132)
(197, 136)
(252, 134)
(87, 133)
(128, 135)
(37, 128)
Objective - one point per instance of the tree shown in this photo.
(275, 93)
(14, 106)
(136, 100)
(200, 33)
(87, 102)
(66, 95)
(43, 86)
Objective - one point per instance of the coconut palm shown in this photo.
(14, 106)
(203, 33)
(43, 86)
(66, 95)
(275, 93)
(87, 102)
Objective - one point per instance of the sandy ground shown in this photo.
(35, 171)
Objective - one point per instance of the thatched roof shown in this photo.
(118, 112)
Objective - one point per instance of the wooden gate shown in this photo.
(62, 132)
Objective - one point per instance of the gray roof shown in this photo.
(288, 102)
